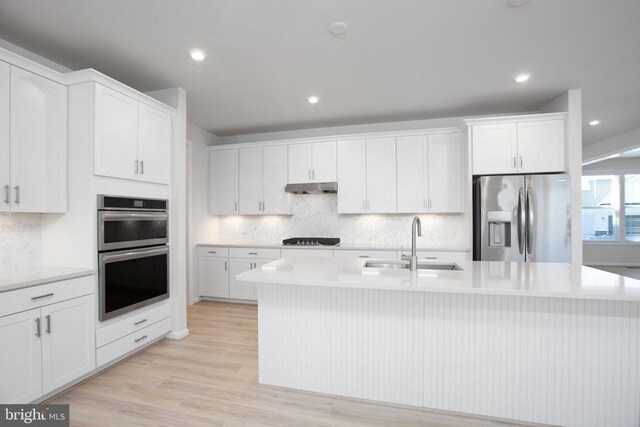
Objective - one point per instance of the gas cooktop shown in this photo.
(311, 241)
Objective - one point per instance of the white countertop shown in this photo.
(18, 279)
(381, 247)
(477, 277)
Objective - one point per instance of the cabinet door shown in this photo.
(5, 137)
(223, 182)
(213, 277)
(445, 172)
(299, 163)
(494, 149)
(325, 164)
(411, 164)
(381, 175)
(20, 358)
(38, 143)
(154, 144)
(274, 179)
(68, 341)
(541, 146)
(238, 289)
(352, 176)
(250, 181)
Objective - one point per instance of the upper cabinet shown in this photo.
(430, 173)
(525, 144)
(132, 139)
(312, 162)
(223, 182)
(367, 176)
(33, 142)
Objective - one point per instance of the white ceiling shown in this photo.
(400, 60)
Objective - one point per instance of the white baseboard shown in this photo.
(230, 300)
(177, 335)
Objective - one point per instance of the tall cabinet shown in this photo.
(33, 142)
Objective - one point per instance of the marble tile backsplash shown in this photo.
(20, 241)
(316, 215)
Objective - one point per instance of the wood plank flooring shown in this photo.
(211, 379)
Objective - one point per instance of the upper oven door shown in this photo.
(119, 230)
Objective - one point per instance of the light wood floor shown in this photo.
(210, 378)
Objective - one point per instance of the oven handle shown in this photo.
(115, 216)
(106, 258)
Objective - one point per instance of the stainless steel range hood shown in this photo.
(312, 188)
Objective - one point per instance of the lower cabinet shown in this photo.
(213, 276)
(46, 348)
(244, 290)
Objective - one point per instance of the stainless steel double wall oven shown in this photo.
(133, 253)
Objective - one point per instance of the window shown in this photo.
(632, 207)
(600, 206)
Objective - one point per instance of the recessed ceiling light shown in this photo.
(523, 77)
(594, 122)
(197, 54)
(338, 28)
(313, 99)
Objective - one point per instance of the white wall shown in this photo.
(612, 253)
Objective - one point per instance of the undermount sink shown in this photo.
(405, 265)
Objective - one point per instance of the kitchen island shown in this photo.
(546, 343)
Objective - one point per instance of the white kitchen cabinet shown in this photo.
(541, 146)
(302, 252)
(367, 176)
(68, 341)
(494, 148)
(312, 162)
(38, 143)
(132, 140)
(154, 144)
(213, 276)
(21, 356)
(412, 185)
(520, 144)
(262, 178)
(445, 169)
(5, 136)
(238, 289)
(223, 182)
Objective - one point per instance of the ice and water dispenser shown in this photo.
(499, 229)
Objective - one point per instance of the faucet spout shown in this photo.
(416, 229)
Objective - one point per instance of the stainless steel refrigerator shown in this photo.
(522, 218)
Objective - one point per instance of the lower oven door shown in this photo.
(132, 279)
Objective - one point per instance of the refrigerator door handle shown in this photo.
(521, 221)
(530, 218)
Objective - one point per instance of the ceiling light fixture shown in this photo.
(313, 99)
(594, 122)
(523, 77)
(338, 28)
(197, 54)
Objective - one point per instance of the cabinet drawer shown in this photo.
(41, 295)
(365, 254)
(124, 345)
(254, 253)
(322, 253)
(131, 324)
(213, 251)
(439, 255)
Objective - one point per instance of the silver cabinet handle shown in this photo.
(38, 331)
(140, 322)
(213, 252)
(264, 206)
(514, 162)
(7, 196)
(137, 163)
(429, 203)
(253, 253)
(313, 174)
(42, 296)
(141, 167)
(48, 330)
(520, 161)
(363, 256)
(235, 207)
(140, 339)
(225, 266)
(17, 188)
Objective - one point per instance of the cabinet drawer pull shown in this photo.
(42, 296)
(213, 252)
(140, 322)
(225, 266)
(17, 188)
(431, 257)
(235, 207)
(140, 339)
(38, 331)
(48, 330)
(141, 167)
(7, 196)
(363, 256)
(253, 253)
